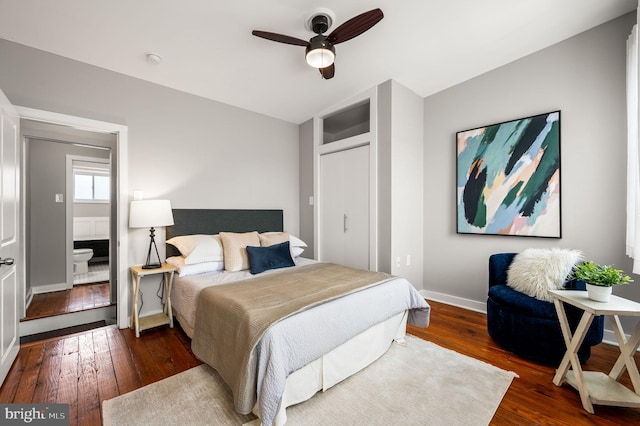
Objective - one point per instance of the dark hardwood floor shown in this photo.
(86, 368)
(79, 298)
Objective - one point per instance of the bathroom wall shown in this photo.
(90, 209)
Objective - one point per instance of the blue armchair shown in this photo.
(530, 327)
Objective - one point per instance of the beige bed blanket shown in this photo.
(230, 319)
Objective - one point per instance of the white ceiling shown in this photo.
(208, 50)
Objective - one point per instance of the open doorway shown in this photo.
(59, 224)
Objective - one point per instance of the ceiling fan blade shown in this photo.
(280, 38)
(355, 26)
(328, 72)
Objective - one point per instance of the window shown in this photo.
(90, 185)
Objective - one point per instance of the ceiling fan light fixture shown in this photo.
(320, 53)
(320, 58)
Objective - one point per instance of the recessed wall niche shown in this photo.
(351, 121)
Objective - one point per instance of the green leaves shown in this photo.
(602, 275)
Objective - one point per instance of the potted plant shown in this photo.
(600, 279)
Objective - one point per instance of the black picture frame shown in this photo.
(508, 178)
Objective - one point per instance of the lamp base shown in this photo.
(152, 244)
(152, 266)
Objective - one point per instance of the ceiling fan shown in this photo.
(320, 52)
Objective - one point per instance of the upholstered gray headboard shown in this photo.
(212, 221)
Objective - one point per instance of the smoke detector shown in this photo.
(153, 58)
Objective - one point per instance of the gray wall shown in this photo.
(584, 77)
(400, 181)
(306, 187)
(194, 151)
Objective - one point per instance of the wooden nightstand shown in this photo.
(154, 320)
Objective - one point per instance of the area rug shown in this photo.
(420, 383)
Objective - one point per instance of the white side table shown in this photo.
(596, 387)
(154, 320)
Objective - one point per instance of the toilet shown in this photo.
(81, 259)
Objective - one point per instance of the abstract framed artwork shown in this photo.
(508, 178)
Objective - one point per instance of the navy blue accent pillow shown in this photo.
(273, 257)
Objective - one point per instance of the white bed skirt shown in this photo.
(342, 362)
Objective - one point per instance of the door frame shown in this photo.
(122, 196)
(69, 209)
(370, 138)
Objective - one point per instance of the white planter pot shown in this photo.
(599, 293)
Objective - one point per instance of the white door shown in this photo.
(344, 207)
(10, 282)
(356, 202)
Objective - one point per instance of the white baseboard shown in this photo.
(460, 302)
(48, 288)
(473, 305)
(28, 299)
(610, 338)
(42, 325)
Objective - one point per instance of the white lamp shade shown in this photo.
(150, 213)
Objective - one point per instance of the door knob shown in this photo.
(7, 261)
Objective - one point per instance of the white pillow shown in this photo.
(536, 271)
(296, 242)
(271, 238)
(184, 270)
(293, 240)
(198, 248)
(296, 245)
(296, 251)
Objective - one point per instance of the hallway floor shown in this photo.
(79, 298)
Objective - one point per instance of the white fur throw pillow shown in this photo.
(536, 271)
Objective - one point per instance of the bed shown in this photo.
(314, 346)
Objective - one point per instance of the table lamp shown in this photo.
(150, 214)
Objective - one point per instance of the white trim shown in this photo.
(48, 288)
(28, 299)
(460, 302)
(317, 137)
(344, 144)
(42, 325)
(610, 338)
(69, 208)
(121, 192)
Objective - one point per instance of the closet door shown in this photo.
(344, 207)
